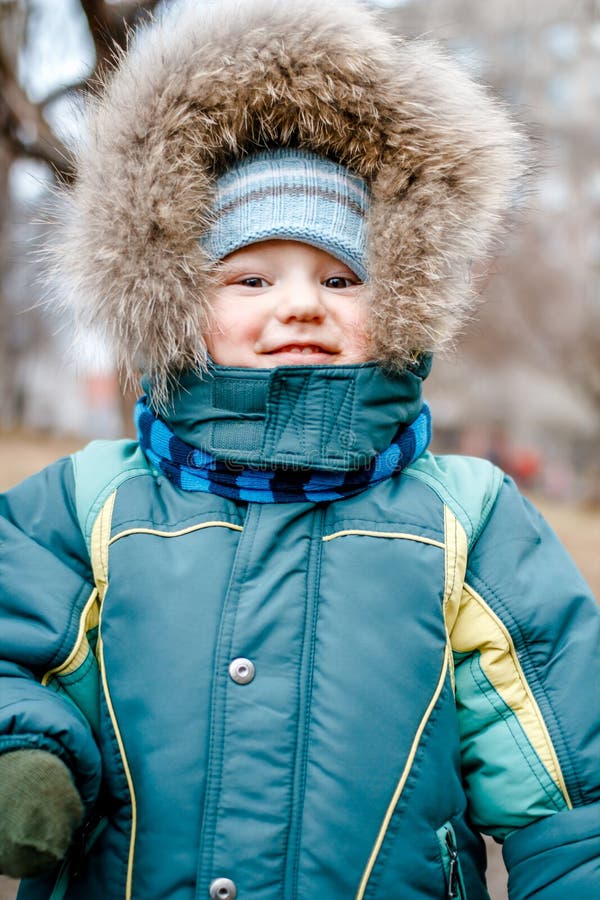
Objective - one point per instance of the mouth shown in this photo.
(304, 350)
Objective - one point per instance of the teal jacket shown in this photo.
(308, 700)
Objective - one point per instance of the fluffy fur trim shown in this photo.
(207, 84)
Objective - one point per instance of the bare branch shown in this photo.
(29, 133)
(23, 128)
(110, 25)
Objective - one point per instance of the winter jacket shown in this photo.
(302, 699)
(306, 699)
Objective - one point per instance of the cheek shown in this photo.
(354, 320)
(233, 324)
(225, 316)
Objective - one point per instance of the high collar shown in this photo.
(332, 418)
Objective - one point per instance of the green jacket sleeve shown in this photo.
(527, 671)
(557, 857)
(45, 581)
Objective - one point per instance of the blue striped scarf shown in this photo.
(192, 469)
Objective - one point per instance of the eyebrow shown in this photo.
(238, 268)
(252, 264)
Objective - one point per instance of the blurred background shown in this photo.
(523, 385)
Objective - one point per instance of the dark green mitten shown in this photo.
(40, 808)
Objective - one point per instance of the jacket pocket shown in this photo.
(455, 887)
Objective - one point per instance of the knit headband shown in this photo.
(293, 195)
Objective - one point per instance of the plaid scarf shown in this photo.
(192, 469)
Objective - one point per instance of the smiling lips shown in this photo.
(302, 349)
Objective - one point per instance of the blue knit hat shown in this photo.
(294, 195)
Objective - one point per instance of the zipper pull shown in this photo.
(87, 837)
(73, 862)
(453, 867)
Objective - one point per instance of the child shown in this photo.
(277, 649)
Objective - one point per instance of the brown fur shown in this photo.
(211, 83)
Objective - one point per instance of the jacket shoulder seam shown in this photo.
(117, 472)
(442, 488)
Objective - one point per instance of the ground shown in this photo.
(578, 528)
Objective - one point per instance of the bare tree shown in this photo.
(24, 127)
(26, 131)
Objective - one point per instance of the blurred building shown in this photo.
(529, 364)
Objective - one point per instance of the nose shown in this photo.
(301, 301)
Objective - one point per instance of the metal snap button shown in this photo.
(347, 439)
(223, 889)
(241, 670)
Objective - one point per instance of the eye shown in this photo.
(338, 282)
(253, 281)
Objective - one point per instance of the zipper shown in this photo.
(75, 859)
(453, 866)
(455, 888)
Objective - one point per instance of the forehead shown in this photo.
(284, 254)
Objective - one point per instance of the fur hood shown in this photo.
(207, 83)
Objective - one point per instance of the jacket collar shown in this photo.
(321, 417)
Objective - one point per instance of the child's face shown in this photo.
(283, 303)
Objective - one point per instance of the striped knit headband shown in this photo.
(293, 195)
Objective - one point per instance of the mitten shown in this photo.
(40, 808)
